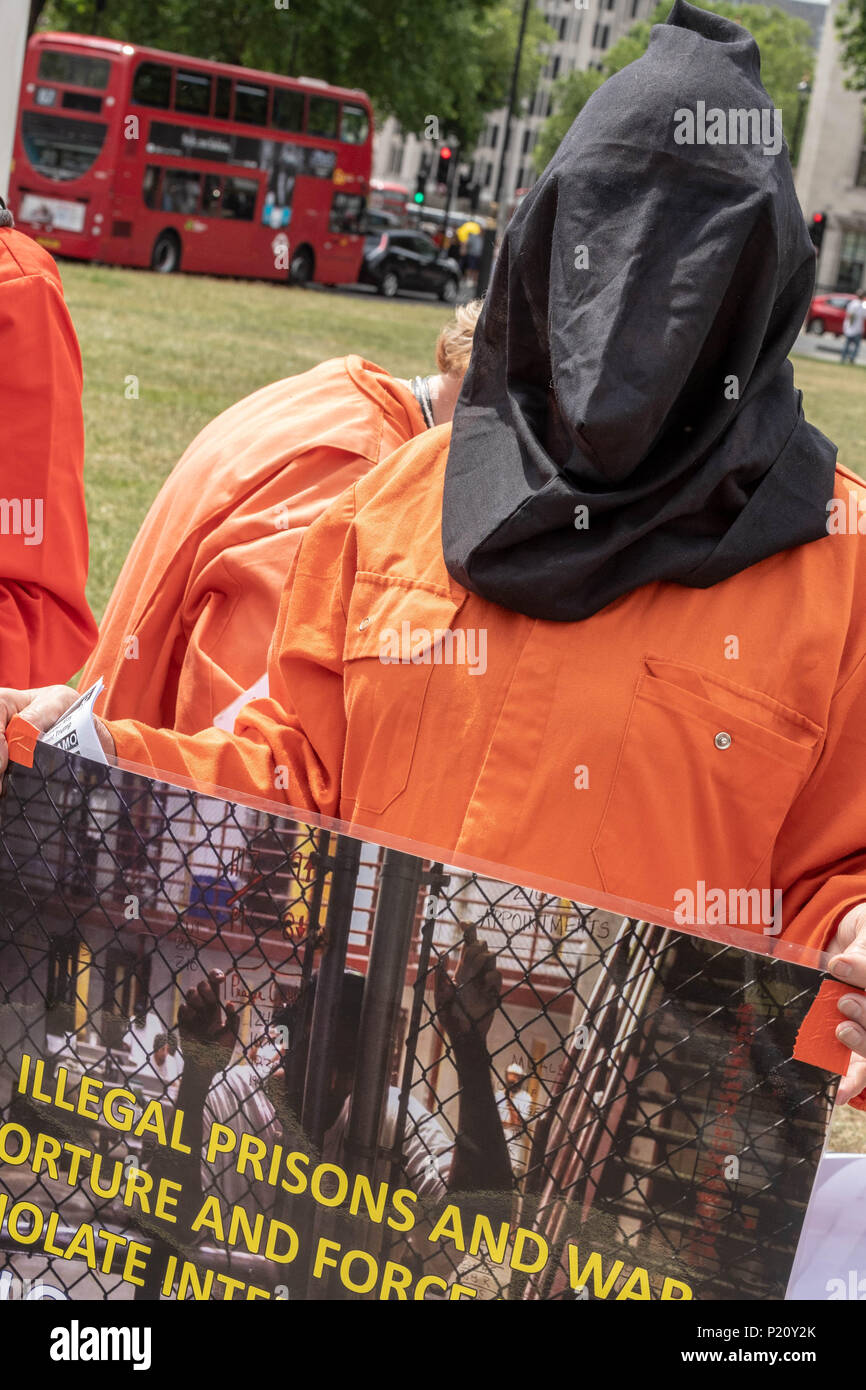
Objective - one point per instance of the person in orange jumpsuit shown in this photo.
(184, 640)
(46, 627)
(609, 632)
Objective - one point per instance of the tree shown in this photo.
(786, 59)
(851, 25)
(451, 60)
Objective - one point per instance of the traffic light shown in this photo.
(443, 168)
(817, 228)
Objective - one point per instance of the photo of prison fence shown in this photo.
(610, 1108)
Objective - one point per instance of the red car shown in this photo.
(827, 313)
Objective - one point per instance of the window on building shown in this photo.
(494, 136)
(395, 163)
(488, 177)
(633, 9)
(601, 36)
(555, 66)
(610, 4)
(852, 262)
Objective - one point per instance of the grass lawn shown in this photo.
(834, 399)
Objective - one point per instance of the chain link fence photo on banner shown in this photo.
(243, 1057)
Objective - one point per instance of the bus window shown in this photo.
(58, 146)
(251, 104)
(222, 107)
(346, 212)
(355, 126)
(180, 191)
(288, 109)
(75, 69)
(152, 85)
(150, 186)
(192, 93)
(239, 199)
(322, 119)
(211, 201)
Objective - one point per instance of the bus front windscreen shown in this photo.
(59, 147)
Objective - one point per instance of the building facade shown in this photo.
(585, 30)
(831, 176)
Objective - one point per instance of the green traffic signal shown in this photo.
(419, 197)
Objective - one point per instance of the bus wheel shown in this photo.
(301, 267)
(166, 253)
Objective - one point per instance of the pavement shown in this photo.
(825, 347)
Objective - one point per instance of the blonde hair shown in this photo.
(454, 344)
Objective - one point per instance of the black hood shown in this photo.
(629, 413)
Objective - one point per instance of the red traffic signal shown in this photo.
(817, 228)
(445, 152)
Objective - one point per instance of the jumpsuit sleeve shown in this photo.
(46, 626)
(288, 747)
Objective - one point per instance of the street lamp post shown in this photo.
(804, 89)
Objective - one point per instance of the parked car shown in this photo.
(827, 313)
(405, 260)
(379, 220)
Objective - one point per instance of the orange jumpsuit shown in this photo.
(678, 736)
(46, 627)
(188, 626)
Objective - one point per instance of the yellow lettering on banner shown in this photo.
(367, 1261)
(429, 1281)
(449, 1226)
(496, 1248)
(221, 1140)
(210, 1218)
(124, 1118)
(637, 1276)
(271, 1251)
(323, 1259)
(578, 1277)
(401, 1200)
(518, 1262)
(134, 1260)
(153, 1122)
(670, 1284)
(88, 1090)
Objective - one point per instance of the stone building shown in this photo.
(831, 177)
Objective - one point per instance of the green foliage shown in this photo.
(786, 59)
(452, 60)
(851, 26)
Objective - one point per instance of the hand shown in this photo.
(208, 1032)
(467, 1003)
(42, 708)
(848, 963)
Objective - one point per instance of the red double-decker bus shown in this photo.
(136, 157)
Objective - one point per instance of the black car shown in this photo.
(405, 260)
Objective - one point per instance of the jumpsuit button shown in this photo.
(723, 740)
(365, 622)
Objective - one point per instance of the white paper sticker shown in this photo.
(75, 731)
